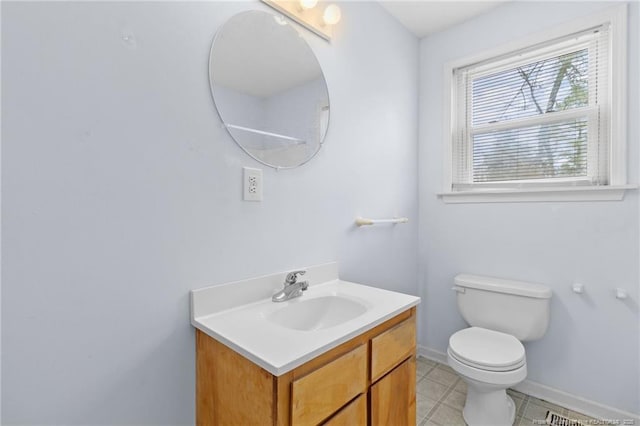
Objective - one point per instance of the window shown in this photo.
(538, 119)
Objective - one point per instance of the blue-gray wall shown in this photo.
(591, 349)
(121, 192)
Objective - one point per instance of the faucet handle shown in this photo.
(292, 277)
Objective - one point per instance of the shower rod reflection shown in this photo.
(262, 132)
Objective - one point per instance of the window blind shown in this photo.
(535, 117)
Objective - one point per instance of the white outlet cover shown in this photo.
(252, 184)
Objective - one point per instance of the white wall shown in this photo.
(591, 348)
(121, 192)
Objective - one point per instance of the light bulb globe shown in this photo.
(331, 15)
(308, 4)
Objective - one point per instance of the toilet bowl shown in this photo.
(489, 355)
(489, 362)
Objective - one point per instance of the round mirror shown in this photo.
(269, 89)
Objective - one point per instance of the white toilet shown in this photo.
(489, 355)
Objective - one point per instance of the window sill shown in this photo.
(602, 193)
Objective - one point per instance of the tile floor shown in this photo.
(440, 396)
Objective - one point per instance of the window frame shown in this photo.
(616, 18)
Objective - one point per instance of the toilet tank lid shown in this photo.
(501, 285)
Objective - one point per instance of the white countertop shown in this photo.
(246, 329)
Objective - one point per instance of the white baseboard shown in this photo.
(555, 396)
(432, 354)
(575, 403)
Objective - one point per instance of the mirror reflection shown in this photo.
(269, 89)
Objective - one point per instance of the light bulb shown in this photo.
(308, 4)
(331, 15)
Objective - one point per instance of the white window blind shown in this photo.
(536, 117)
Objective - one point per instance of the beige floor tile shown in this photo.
(516, 393)
(461, 386)
(535, 411)
(521, 421)
(426, 361)
(447, 416)
(445, 367)
(442, 376)
(431, 389)
(519, 404)
(550, 406)
(455, 400)
(574, 415)
(423, 406)
(422, 368)
(427, 422)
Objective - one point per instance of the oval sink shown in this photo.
(316, 314)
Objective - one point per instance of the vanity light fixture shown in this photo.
(315, 15)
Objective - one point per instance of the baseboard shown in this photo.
(576, 403)
(432, 354)
(555, 396)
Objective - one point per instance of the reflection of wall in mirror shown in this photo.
(300, 112)
(283, 156)
(294, 112)
(242, 110)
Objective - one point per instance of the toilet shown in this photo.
(489, 355)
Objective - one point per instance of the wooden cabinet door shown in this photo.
(354, 414)
(393, 398)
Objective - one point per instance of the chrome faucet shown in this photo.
(292, 288)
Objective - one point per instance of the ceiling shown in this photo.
(424, 17)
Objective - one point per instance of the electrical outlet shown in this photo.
(252, 184)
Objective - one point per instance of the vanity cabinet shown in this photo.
(391, 396)
(369, 379)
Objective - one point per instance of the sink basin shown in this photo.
(318, 313)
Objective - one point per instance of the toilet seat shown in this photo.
(487, 350)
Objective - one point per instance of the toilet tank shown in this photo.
(514, 307)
